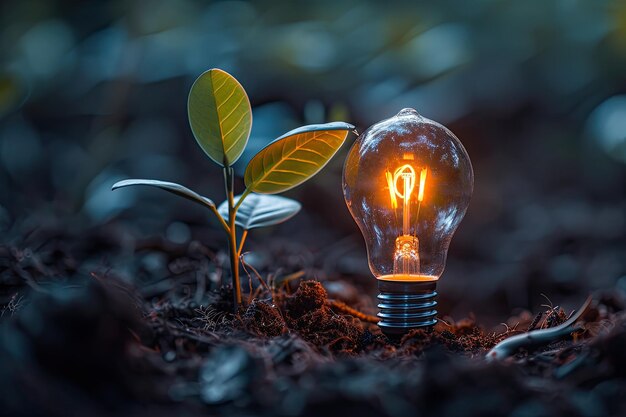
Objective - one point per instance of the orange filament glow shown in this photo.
(406, 257)
(407, 173)
(392, 190)
(420, 195)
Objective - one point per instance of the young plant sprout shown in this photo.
(221, 119)
(407, 182)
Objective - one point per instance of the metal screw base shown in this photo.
(406, 305)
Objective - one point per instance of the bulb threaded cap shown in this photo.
(406, 305)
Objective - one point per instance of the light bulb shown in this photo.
(407, 182)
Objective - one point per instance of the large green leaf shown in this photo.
(259, 210)
(220, 116)
(295, 157)
(167, 186)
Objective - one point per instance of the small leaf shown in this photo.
(170, 187)
(259, 210)
(220, 116)
(294, 157)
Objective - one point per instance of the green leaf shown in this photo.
(295, 157)
(170, 187)
(258, 210)
(220, 116)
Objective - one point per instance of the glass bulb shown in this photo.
(407, 182)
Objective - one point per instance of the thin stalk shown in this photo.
(219, 217)
(229, 176)
(243, 197)
(242, 239)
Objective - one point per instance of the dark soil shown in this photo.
(93, 344)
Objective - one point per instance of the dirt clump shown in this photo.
(264, 319)
(463, 336)
(310, 316)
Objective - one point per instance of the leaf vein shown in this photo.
(276, 182)
(235, 125)
(289, 171)
(234, 142)
(312, 151)
(291, 158)
(221, 85)
(225, 101)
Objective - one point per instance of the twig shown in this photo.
(536, 320)
(13, 305)
(539, 337)
(344, 308)
(256, 273)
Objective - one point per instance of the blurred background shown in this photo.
(94, 92)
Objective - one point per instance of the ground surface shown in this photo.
(94, 344)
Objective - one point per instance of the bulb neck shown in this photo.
(406, 305)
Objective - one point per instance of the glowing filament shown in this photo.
(406, 257)
(407, 173)
(392, 190)
(420, 195)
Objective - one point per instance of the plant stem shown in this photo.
(221, 220)
(243, 197)
(242, 239)
(229, 176)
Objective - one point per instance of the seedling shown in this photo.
(220, 117)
